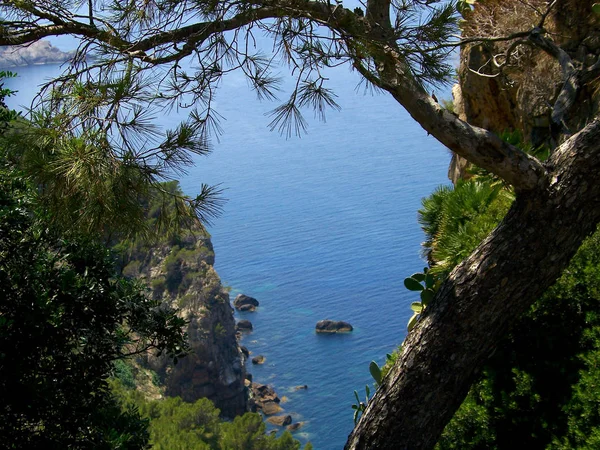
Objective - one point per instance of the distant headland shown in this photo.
(40, 52)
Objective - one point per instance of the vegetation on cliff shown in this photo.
(177, 265)
(65, 318)
(177, 424)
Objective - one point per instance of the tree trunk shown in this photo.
(475, 307)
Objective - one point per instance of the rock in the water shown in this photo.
(244, 325)
(280, 421)
(260, 359)
(298, 388)
(270, 408)
(264, 398)
(333, 326)
(294, 426)
(264, 393)
(245, 303)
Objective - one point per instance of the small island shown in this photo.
(36, 53)
(333, 326)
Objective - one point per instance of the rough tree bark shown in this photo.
(557, 206)
(481, 298)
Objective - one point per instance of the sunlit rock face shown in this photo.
(182, 275)
(522, 94)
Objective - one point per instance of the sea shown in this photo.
(322, 226)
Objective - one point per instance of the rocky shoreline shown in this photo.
(262, 397)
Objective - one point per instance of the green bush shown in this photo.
(175, 424)
(124, 372)
(540, 388)
(65, 317)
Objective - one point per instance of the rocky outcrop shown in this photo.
(260, 359)
(280, 421)
(244, 325)
(40, 52)
(245, 303)
(180, 273)
(294, 426)
(264, 398)
(522, 95)
(333, 326)
(270, 408)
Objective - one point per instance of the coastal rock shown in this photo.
(264, 399)
(264, 393)
(244, 325)
(182, 275)
(295, 426)
(260, 359)
(245, 303)
(270, 408)
(333, 326)
(280, 421)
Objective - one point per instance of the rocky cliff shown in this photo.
(519, 92)
(180, 272)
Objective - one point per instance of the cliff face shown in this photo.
(181, 273)
(521, 95)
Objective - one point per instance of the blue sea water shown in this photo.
(322, 226)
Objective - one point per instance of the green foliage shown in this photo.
(7, 115)
(539, 389)
(220, 330)
(184, 425)
(175, 424)
(359, 407)
(427, 290)
(456, 220)
(88, 188)
(66, 319)
(249, 432)
(375, 372)
(67, 323)
(124, 373)
(390, 359)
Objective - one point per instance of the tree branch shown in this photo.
(570, 88)
(477, 145)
